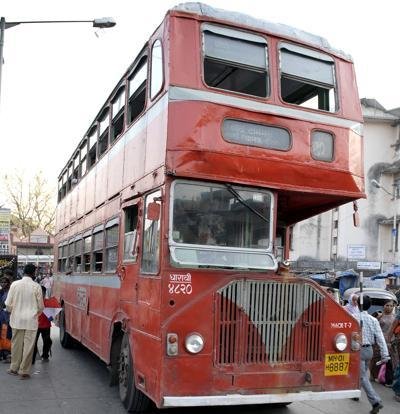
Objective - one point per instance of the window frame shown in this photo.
(115, 118)
(135, 232)
(242, 36)
(98, 230)
(154, 95)
(114, 222)
(143, 87)
(309, 53)
(153, 196)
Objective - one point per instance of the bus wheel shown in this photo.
(114, 360)
(66, 339)
(132, 398)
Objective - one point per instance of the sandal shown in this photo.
(24, 376)
(12, 372)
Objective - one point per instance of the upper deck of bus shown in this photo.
(221, 96)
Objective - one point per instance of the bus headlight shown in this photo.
(340, 342)
(194, 343)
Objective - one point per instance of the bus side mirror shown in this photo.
(153, 211)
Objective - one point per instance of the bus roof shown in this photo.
(264, 25)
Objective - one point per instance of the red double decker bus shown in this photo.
(176, 207)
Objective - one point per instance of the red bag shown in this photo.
(382, 374)
(5, 344)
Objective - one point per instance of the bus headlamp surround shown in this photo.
(194, 343)
(341, 342)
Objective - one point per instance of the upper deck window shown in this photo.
(92, 147)
(118, 105)
(104, 122)
(137, 90)
(235, 61)
(157, 74)
(307, 78)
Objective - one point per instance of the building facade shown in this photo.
(330, 240)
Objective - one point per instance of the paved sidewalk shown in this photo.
(72, 382)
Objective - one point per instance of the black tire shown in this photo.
(66, 339)
(132, 398)
(114, 361)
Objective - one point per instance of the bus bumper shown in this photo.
(239, 399)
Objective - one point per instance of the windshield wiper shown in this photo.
(245, 203)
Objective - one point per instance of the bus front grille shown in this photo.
(268, 322)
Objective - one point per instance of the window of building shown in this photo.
(112, 234)
(118, 106)
(307, 78)
(92, 147)
(98, 240)
(104, 123)
(322, 146)
(130, 232)
(235, 61)
(137, 90)
(87, 248)
(77, 267)
(151, 235)
(83, 163)
(157, 73)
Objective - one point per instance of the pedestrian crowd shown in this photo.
(380, 347)
(23, 321)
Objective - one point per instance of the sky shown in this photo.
(56, 77)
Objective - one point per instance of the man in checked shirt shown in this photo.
(371, 334)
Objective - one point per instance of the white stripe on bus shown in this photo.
(177, 93)
(109, 281)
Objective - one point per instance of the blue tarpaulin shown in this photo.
(347, 279)
(393, 272)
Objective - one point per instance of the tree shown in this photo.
(32, 202)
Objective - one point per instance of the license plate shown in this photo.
(336, 364)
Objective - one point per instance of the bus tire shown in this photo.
(66, 339)
(132, 398)
(114, 361)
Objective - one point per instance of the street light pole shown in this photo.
(102, 23)
(394, 226)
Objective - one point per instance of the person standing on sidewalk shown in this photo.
(25, 303)
(371, 334)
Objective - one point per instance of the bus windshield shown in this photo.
(221, 225)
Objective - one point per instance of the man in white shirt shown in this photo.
(371, 335)
(25, 302)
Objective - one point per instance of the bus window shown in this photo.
(112, 232)
(104, 122)
(59, 258)
(64, 257)
(60, 190)
(221, 225)
(87, 247)
(75, 166)
(77, 267)
(322, 146)
(137, 91)
(70, 259)
(98, 240)
(307, 78)
(235, 61)
(83, 164)
(157, 73)
(131, 220)
(69, 177)
(92, 147)
(118, 106)
(151, 238)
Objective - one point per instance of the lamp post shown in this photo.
(394, 228)
(103, 23)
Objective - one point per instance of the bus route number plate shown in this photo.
(336, 364)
